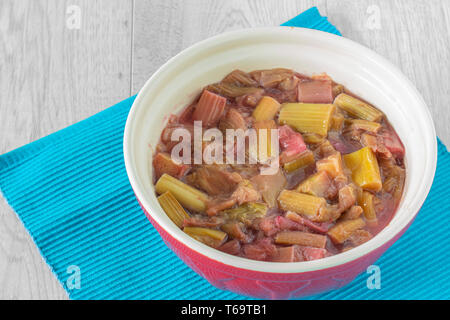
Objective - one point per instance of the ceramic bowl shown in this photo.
(307, 51)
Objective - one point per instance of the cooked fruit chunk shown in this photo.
(365, 171)
(301, 203)
(270, 186)
(307, 117)
(211, 237)
(319, 185)
(209, 108)
(342, 230)
(266, 109)
(173, 208)
(301, 160)
(163, 163)
(331, 165)
(358, 108)
(188, 196)
(301, 238)
(316, 91)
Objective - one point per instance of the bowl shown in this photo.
(307, 51)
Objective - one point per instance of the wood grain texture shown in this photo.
(413, 35)
(164, 28)
(51, 77)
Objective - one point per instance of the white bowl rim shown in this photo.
(275, 267)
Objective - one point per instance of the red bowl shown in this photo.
(270, 285)
(175, 84)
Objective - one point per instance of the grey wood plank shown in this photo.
(164, 28)
(51, 76)
(413, 35)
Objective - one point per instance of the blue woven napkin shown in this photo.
(71, 191)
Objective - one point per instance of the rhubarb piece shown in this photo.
(319, 185)
(163, 163)
(301, 203)
(188, 196)
(307, 117)
(291, 142)
(365, 171)
(211, 237)
(209, 109)
(301, 238)
(342, 230)
(316, 91)
(358, 108)
(266, 109)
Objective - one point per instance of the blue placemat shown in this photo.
(71, 191)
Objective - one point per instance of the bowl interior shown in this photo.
(306, 51)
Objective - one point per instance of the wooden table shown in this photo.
(64, 60)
